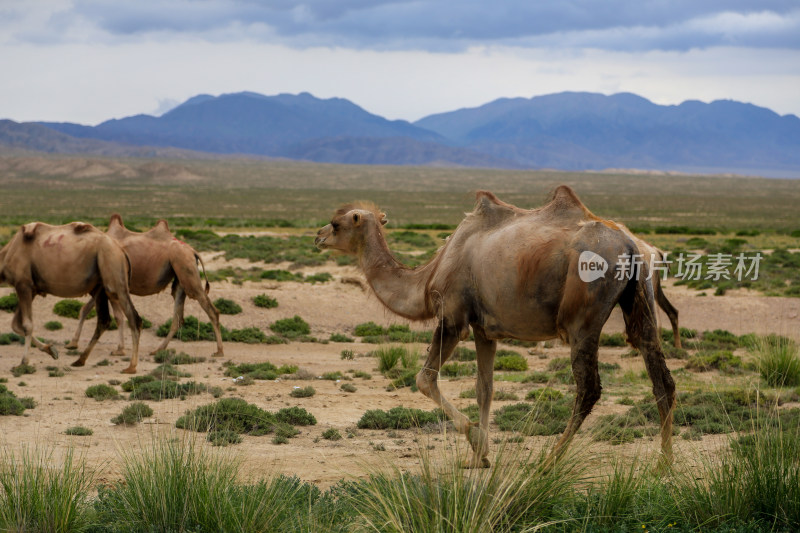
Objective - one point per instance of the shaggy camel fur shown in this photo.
(514, 273)
(158, 259)
(68, 261)
(651, 254)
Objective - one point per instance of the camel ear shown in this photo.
(384, 220)
(80, 227)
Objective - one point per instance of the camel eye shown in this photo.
(335, 226)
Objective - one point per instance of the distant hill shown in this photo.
(569, 131)
(578, 131)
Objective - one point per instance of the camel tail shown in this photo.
(638, 305)
(203, 266)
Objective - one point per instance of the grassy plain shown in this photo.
(240, 193)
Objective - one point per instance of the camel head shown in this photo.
(349, 228)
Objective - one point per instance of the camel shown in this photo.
(508, 272)
(651, 254)
(68, 261)
(158, 259)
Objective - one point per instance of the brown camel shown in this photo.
(651, 255)
(158, 259)
(68, 261)
(514, 273)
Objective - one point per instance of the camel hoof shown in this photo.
(52, 351)
(71, 345)
(218, 354)
(129, 370)
(118, 351)
(483, 462)
(79, 363)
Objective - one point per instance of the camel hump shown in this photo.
(80, 227)
(162, 224)
(29, 231)
(491, 208)
(565, 197)
(116, 219)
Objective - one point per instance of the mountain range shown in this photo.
(569, 131)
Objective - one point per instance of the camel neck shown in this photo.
(398, 287)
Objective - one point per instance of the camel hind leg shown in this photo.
(85, 310)
(179, 300)
(124, 303)
(184, 264)
(22, 324)
(119, 315)
(484, 390)
(638, 310)
(103, 322)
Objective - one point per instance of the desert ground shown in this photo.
(332, 307)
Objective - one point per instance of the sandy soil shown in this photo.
(329, 308)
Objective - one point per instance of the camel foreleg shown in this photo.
(484, 390)
(179, 300)
(103, 322)
(22, 324)
(120, 318)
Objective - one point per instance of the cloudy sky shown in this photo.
(87, 61)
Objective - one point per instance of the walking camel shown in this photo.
(510, 272)
(68, 261)
(158, 259)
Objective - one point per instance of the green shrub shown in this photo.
(171, 357)
(229, 414)
(613, 339)
(296, 416)
(223, 437)
(541, 418)
(348, 387)
(9, 303)
(511, 361)
(388, 357)
(778, 360)
(320, 277)
(263, 371)
(79, 431)
(165, 390)
(250, 335)
(340, 337)
(133, 414)
(102, 392)
(544, 395)
(70, 308)
(227, 307)
(136, 381)
(462, 353)
(453, 370)
(369, 329)
(53, 325)
(191, 330)
(331, 434)
(302, 392)
(721, 360)
(10, 404)
(291, 327)
(267, 302)
(22, 369)
(8, 338)
(398, 418)
(281, 275)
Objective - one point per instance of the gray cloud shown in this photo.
(446, 25)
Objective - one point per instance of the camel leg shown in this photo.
(671, 312)
(587, 384)
(22, 324)
(103, 321)
(179, 297)
(644, 336)
(120, 318)
(445, 339)
(484, 389)
(190, 282)
(123, 301)
(85, 310)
